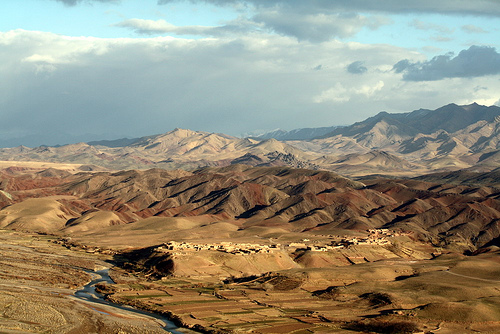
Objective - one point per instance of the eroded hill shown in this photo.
(242, 201)
(273, 249)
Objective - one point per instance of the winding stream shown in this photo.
(89, 294)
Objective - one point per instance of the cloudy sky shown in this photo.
(80, 70)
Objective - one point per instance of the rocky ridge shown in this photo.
(449, 138)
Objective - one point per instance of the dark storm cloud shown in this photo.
(357, 67)
(324, 20)
(476, 61)
(315, 27)
(477, 7)
(304, 22)
(401, 66)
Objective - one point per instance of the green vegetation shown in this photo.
(383, 326)
(136, 286)
(186, 302)
(145, 296)
(239, 312)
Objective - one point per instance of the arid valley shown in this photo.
(249, 167)
(210, 233)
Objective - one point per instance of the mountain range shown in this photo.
(449, 138)
(296, 134)
(275, 231)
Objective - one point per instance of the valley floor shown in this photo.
(451, 293)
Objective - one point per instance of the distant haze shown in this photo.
(86, 70)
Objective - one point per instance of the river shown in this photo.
(89, 295)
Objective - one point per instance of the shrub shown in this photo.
(383, 326)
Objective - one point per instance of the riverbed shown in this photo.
(88, 294)
(45, 288)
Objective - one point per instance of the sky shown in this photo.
(82, 70)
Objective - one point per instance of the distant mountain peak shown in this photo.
(448, 137)
(182, 132)
(450, 118)
(296, 134)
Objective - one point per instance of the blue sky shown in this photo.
(101, 69)
(97, 18)
(425, 32)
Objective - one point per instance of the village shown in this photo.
(375, 237)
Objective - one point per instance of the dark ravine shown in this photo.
(88, 293)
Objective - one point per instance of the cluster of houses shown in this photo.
(226, 247)
(375, 237)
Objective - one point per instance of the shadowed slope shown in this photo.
(240, 200)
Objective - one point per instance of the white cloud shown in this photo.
(369, 91)
(152, 27)
(36, 58)
(111, 88)
(317, 27)
(147, 26)
(337, 93)
(472, 29)
(340, 94)
(421, 25)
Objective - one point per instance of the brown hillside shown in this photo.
(239, 201)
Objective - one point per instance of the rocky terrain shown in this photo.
(241, 200)
(446, 139)
(448, 294)
(258, 235)
(449, 138)
(38, 280)
(261, 249)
